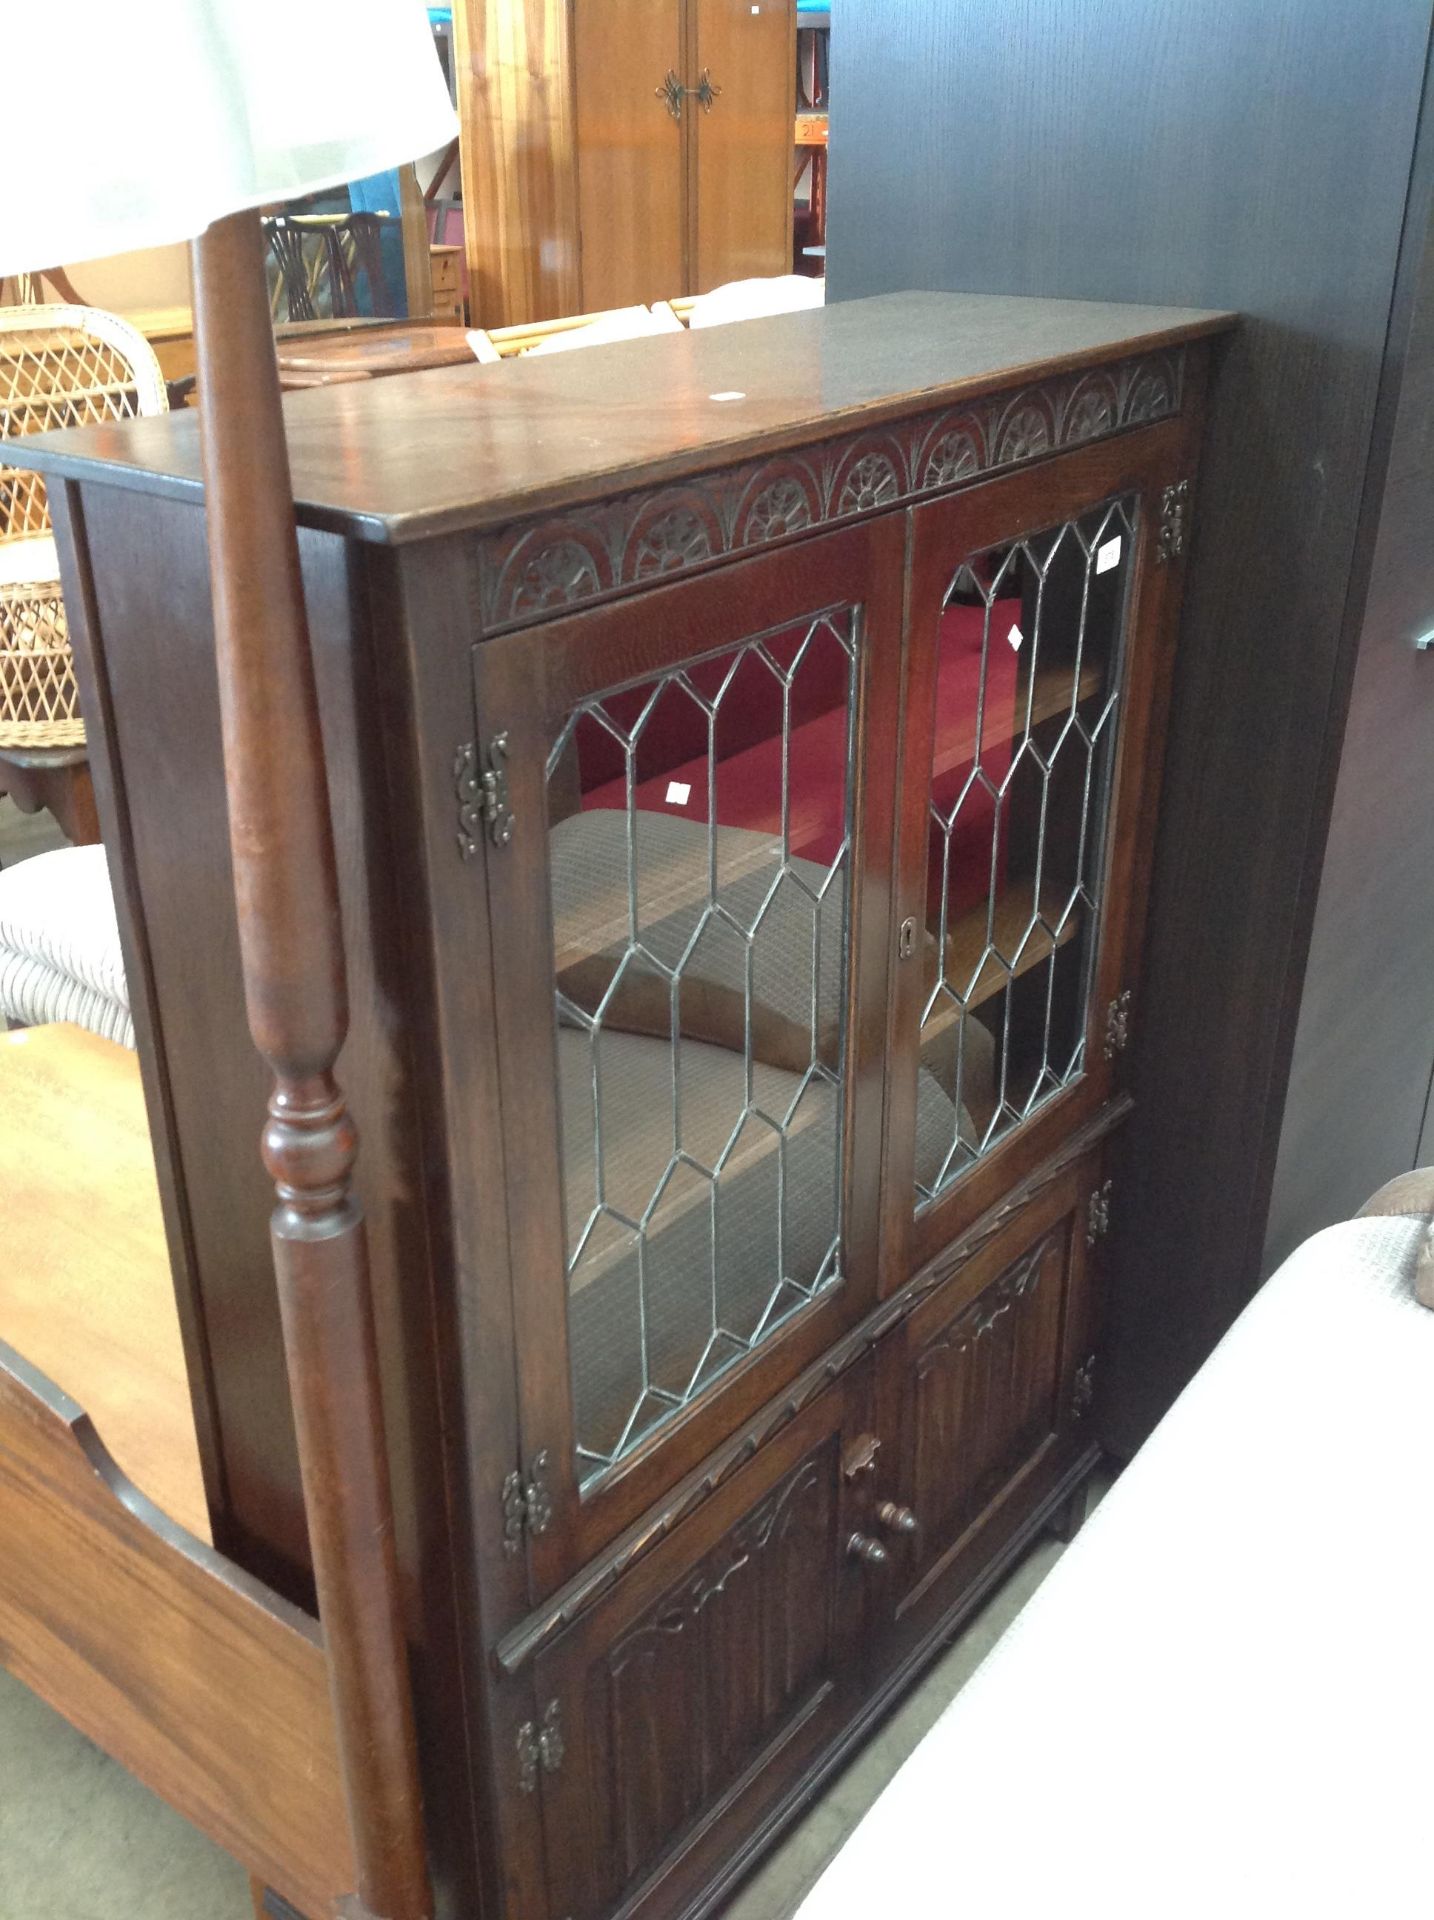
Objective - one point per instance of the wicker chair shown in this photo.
(60, 366)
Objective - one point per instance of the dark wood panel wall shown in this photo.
(1364, 1049)
(1253, 154)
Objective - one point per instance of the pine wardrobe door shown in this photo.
(1041, 631)
(690, 912)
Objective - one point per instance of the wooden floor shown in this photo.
(85, 1291)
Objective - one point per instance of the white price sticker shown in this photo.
(1015, 636)
(1108, 556)
(678, 793)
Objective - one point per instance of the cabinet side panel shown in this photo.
(152, 606)
(515, 110)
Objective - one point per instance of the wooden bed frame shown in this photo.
(113, 1605)
(292, 1746)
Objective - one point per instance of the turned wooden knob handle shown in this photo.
(859, 1547)
(897, 1519)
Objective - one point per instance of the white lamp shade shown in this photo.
(132, 123)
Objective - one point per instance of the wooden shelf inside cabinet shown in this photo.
(967, 941)
(1051, 697)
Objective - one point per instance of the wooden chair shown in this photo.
(60, 366)
(320, 258)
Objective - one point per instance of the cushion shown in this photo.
(60, 955)
(753, 299)
(25, 563)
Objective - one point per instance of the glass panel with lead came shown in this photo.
(700, 837)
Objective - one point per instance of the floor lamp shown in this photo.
(199, 113)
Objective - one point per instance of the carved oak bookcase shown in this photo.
(745, 753)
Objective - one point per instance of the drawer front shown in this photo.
(708, 1682)
(981, 1396)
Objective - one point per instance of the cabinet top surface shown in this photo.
(474, 446)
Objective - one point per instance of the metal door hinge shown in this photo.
(540, 1744)
(1083, 1387)
(1097, 1215)
(1174, 521)
(1117, 1025)
(482, 795)
(526, 1502)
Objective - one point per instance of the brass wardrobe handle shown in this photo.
(671, 90)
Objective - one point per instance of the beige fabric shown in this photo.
(624, 323)
(1412, 1196)
(26, 563)
(1407, 1193)
(756, 299)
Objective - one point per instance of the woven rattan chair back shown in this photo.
(60, 366)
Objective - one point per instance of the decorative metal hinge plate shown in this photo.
(540, 1744)
(1174, 521)
(1097, 1215)
(1117, 1025)
(1083, 1388)
(526, 1503)
(482, 795)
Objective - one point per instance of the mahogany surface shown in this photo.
(395, 460)
(296, 993)
(57, 779)
(409, 351)
(112, 1606)
(208, 1687)
(556, 1784)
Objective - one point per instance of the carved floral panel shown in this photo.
(535, 568)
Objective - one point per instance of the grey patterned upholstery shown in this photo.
(60, 953)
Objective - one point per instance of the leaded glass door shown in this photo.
(691, 920)
(1032, 601)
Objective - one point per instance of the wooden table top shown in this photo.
(85, 1288)
(408, 351)
(476, 446)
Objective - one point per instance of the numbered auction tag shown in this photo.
(1108, 555)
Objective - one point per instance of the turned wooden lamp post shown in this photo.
(181, 119)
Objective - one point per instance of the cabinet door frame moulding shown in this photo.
(524, 686)
(1144, 462)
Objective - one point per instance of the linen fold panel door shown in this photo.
(1027, 705)
(700, 840)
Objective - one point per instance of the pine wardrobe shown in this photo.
(745, 754)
